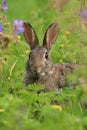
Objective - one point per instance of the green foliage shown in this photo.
(23, 108)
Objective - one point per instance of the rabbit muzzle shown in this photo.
(35, 68)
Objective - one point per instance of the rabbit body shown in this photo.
(40, 69)
(54, 80)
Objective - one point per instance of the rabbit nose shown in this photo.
(36, 69)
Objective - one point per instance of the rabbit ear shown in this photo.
(30, 35)
(51, 35)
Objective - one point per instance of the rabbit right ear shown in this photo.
(51, 35)
(30, 35)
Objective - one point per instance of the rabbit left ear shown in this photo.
(51, 35)
(30, 35)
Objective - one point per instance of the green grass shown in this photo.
(24, 110)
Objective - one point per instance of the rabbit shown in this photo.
(40, 68)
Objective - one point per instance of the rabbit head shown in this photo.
(39, 61)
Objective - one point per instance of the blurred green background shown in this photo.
(21, 109)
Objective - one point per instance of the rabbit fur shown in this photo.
(40, 68)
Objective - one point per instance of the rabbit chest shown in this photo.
(53, 81)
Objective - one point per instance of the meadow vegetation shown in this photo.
(21, 109)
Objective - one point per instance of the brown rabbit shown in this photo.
(40, 69)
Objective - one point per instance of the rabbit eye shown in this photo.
(46, 55)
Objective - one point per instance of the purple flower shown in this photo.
(4, 5)
(83, 14)
(18, 26)
(1, 28)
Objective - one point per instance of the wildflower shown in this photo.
(62, 46)
(59, 107)
(60, 60)
(68, 33)
(4, 5)
(8, 78)
(27, 51)
(18, 26)
(19, 37)
(1, 28)
(1, 110)
(83, 14)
